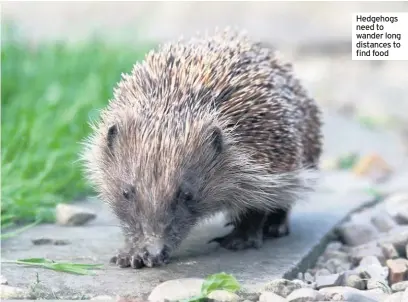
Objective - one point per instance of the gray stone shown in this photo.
(377, 294)
(11, 292)
(336, 291)
(376, 284)
(323, 272)
(396, 297)
(397, 206)
(282, 287)
(328, 280)
(334, 246)
(357, 297)
(405, 295)
(176, 289)
(400, 286)
(338, 255)
(223, 296)
(389, 251)
(73, 215)
(372, 249)
(371, 265)
(355, 281)
(304, 295)
(270, 297)
(383, 222)
(3, 280)
(369, 260)
(308, 277)
(353, 233)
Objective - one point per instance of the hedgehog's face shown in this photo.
(156, 183)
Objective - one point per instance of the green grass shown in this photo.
(48, 94)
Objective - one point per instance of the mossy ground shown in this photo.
(49, 93)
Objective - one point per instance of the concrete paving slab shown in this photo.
(311, 223)
(96, 242)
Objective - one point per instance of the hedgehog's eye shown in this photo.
(184, 195)
(127, 192)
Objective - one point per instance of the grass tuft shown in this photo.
(49, 94)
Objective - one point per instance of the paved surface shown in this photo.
(338, 194)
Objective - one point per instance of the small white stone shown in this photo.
(73, 215)
(400, 286)
(305, 295)
(396, 297)
(271, 297)
(223, 296)
(10, 292)
(177, 289)
(328, 280)
(282, 287)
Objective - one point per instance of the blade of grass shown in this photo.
(75, 268)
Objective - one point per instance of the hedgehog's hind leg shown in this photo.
(247, 233)
(276, 224)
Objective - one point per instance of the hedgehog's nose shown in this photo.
(156, 254)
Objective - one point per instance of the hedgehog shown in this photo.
(217, 123)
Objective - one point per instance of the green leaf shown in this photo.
(348, 161)
(220, 281)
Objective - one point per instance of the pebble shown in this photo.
(11, 292)
(336, 292)
(328, 280)
(354, 233)
(357, 297)
(383, 222)
(396, 297)
(176, 289)
(72, 215)
(271, 297)
(308, 277)
(334, 246)
(371, 265)
(400, 286)
(358, 253)
(402, 216)
(377, 294)
(396, 203)
(3, 280)
(323, 272)
(304, 295)
(389, 251)
(398, 269)
(355, 281)
(375, 283)
(339, 255)
(282, 287)
(223, 296)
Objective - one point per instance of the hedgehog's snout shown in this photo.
(156, 254)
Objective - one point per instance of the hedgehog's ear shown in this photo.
(217, 140)
(112, 133)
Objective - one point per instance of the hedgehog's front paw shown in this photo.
(127, 258)
(239, 240)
